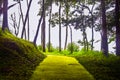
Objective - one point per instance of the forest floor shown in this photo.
(60, 68)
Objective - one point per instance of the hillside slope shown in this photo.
(18, 58)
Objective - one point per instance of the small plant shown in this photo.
(51, 47)
(40, 47)
(73, 47)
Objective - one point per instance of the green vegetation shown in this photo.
(18, 58)
(74, 47)
(101, 67)
(55, 51)
(61, 68)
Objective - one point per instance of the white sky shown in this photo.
(77, 35)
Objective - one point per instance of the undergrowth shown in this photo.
(101, 67)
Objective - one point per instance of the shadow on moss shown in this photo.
(18, 58)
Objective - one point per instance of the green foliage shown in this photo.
(65, 52)
(101, 67)
(40, 47)
(51, 47)
(18, 58)
(74, 47)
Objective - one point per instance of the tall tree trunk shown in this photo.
(44, 26)
(66, 38)
(91, 12)
(28, 28)
(67, 11)
(26, 17)
(71, 39)
(5, 15)
(60, 27)
(117, 18)
(38, 28)
(21, 12)
(85, 40)
(104, 30)
(92, 34)
(49, 42)
(42, 35)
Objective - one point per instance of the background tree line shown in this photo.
(102, 16)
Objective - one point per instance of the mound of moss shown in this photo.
(18, 58)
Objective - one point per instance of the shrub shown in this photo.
(40, 47)
(74, 47)
(51, 47)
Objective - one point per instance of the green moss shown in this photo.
(18, 58)
(61, 68)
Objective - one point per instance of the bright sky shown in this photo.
(77, 35)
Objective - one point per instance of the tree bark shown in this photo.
(26, 18)
(49, 42)
(44, 27)
(67, 11)
(5, 15)
(91, 12)
(104, 30)
(60, 27)
(85, 40)
(21, 12)
(38, 27)
(117, 18)
(66, 38)
(71, 40)
(28, 28)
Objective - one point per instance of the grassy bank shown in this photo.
(101, 67)
(18, 58)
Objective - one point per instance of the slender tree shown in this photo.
(38, 27)
(50, 14)
(60, 26)
(28, 27)
(26, 17)
(71, 39)
(104, 44)
(66, 11)
(43, 27)
(22, 17)
(117, 24)
(5, 15)
(92, 21)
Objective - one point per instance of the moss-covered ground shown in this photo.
(101, 67)
(61, 68)
(18, 58)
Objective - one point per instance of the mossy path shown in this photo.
(61, 68)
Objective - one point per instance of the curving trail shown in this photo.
(61, 68)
